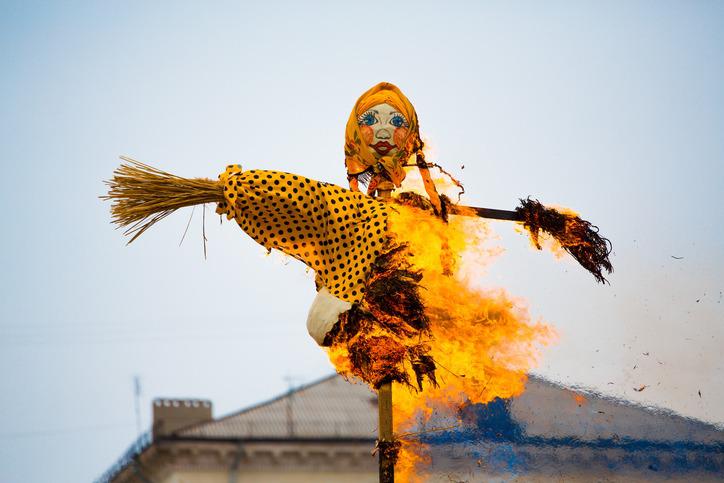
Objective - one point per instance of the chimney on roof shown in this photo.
(170, 415)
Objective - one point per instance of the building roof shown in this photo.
(329, 408)
(563, 426)
(551, 432)
(336, 408)
(547, 409)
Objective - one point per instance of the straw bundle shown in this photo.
(388, 329)
(577, 236)
(142, 195)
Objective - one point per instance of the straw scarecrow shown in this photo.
(368, 284)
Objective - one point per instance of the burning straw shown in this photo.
(143, 195)
(577, 236)
(388, 329)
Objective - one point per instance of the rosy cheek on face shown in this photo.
(367, 134)
(399, 136)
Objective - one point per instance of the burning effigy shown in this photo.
(391, 304)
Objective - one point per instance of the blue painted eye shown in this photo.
(398, 121)
(367, 119)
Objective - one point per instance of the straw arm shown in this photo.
(578, 237)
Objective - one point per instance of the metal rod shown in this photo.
(486, 212)
(384, 404)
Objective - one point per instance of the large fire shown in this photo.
(482, 341)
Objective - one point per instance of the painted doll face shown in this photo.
(384, 129)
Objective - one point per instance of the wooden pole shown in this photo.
(384, 404)
(429, 183)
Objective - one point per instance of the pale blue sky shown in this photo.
(615, 110)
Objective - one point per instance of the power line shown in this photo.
(18, 339)
(59, 431)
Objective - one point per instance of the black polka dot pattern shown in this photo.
(336, 232)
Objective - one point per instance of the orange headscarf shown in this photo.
(357, 156)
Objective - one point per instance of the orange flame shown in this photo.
(580, 399)
(443, 184)
(483, 341)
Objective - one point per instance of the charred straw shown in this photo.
(389, 449)
(577, 236)
(383, 333)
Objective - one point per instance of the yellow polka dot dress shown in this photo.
(336, 232)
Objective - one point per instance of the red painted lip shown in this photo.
(383, 147)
